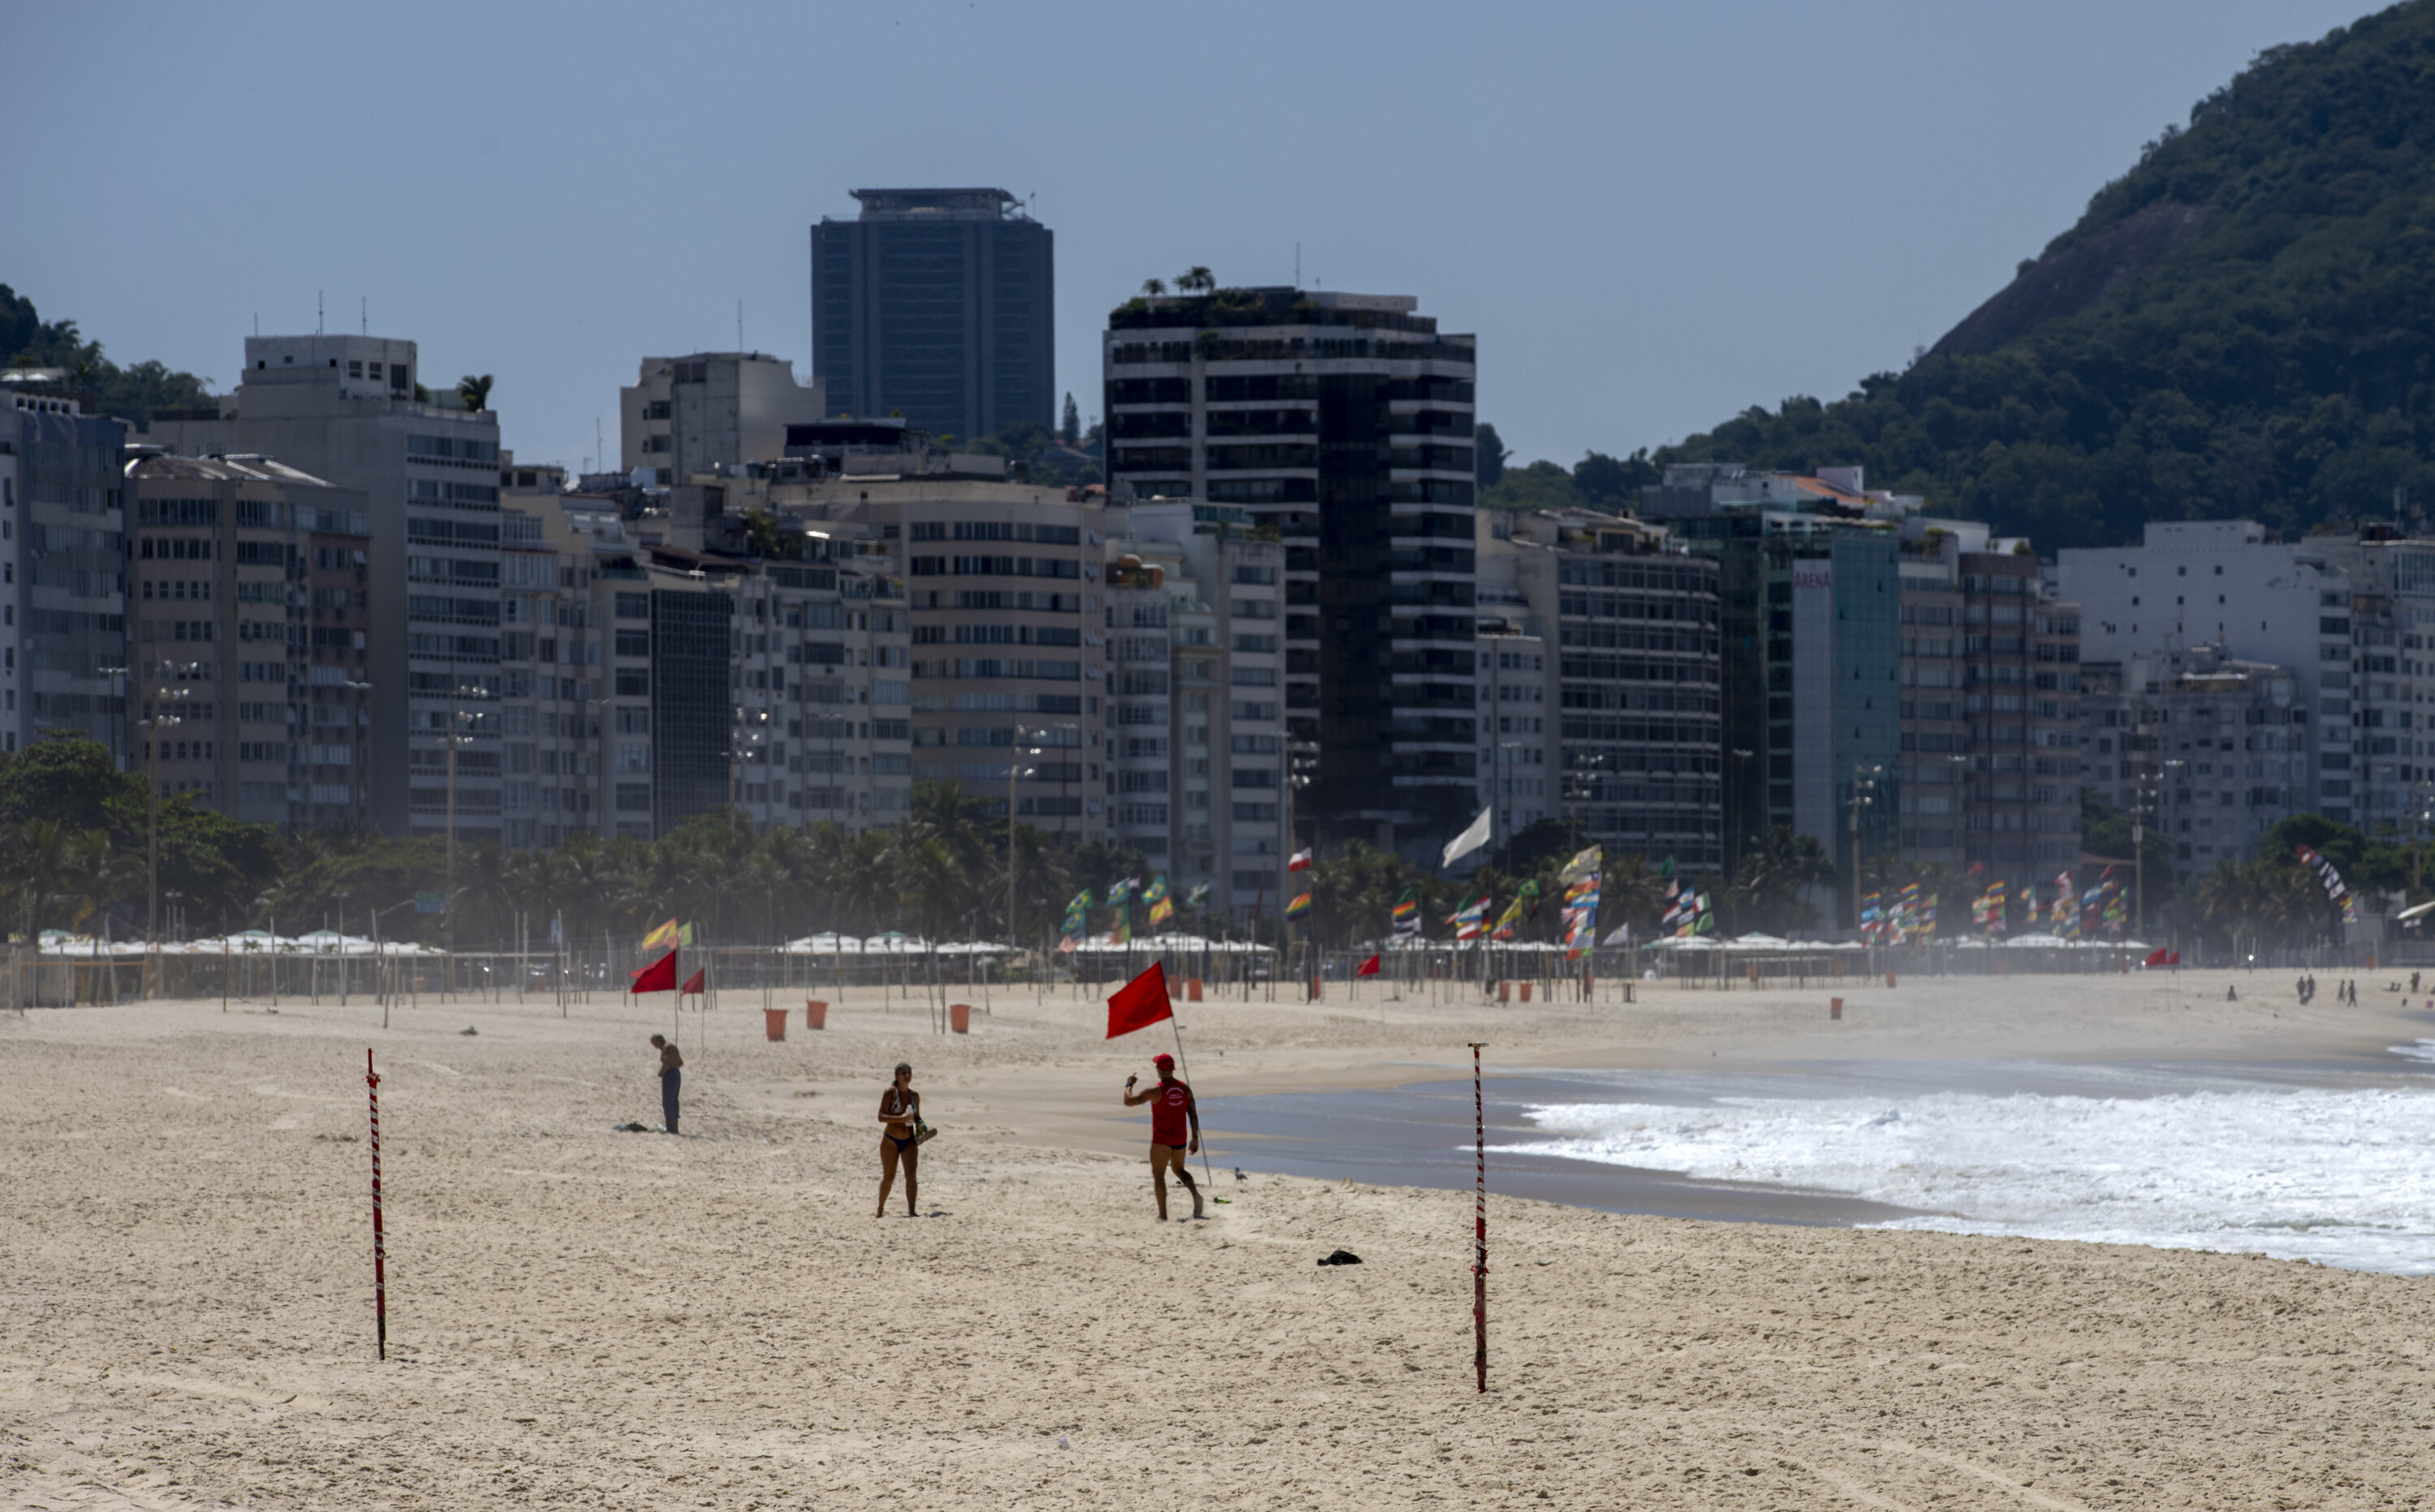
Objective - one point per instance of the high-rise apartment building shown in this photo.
(1197, 764)
(347, 410)
(1809, 606)
(939, 306)
(64, 645)
(1344, 422)
(711, 410)
(252, 630)
(1000, 586)
(2209, 749)
(1632, 694)
(1991, 717)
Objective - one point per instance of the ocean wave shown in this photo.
(2336, 1175)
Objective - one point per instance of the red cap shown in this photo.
(1162, 1060)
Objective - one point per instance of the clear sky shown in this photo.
(1653, 215)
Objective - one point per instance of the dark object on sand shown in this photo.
(1239, 1175)
(468, 1029)
(631, 1129)
(1342, 1257)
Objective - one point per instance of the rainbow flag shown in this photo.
(1300, 905)
(1405, 919)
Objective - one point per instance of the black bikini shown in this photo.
(909, 1139)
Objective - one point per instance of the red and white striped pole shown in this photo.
(380, 1256)
(1479, 1228)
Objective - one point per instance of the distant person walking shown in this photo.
(1171, 1108)
(671, 1078)
(900, 1141)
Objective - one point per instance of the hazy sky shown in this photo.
(1652, 215)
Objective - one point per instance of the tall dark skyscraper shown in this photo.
(1343, 421)
(941, 303)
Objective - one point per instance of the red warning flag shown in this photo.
(1140, 1003)
(693, 984)
(660, 977)
(2157, 957)
(1368, 968)
(2174, 959)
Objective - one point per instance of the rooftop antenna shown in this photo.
(599, 448)
(320, 311)
(367, 316)
(1297, 264)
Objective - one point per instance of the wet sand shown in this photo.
(593, 1318)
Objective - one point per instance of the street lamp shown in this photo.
(1864, 782)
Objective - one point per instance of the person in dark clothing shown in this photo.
(671, 1077)
(900, 1140)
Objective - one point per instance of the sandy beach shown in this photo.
(586, 1317)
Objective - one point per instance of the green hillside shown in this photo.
(2241, 325)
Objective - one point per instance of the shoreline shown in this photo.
(585, 1317)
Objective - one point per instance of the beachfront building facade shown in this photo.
(63, 636)
(2210, 751)
(1000, 586)
(1990, 720)
(1633, 695)
(1344, 422)
(350, 410)
(1810, 736)
(249, 595)
(1224, 579)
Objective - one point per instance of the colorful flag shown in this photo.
(1470, 920)
(1197, 897)
(1580, 904)
(1585, 865)
(1515, 911)
(1162, 907)
(1406, 917)
(662, 937)
(1298, 861)
(1300, 905)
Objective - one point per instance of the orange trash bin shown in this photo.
(1192, 989)
(816, 1014)
(775, 1021)
(1835, 1007)
(960, 1018)
(1525, 992)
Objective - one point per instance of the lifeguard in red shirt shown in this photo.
(1173, 1113)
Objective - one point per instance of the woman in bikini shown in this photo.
(900, 1106)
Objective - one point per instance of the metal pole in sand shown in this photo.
(1479, 1228)
(380, 1253)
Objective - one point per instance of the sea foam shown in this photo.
(2340, 1175)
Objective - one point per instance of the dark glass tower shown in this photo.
(940, 303)
(1342, 421)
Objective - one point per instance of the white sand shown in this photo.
(591, 1319)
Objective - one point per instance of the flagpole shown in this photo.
(1175, 1024)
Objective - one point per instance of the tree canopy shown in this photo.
(136, 393)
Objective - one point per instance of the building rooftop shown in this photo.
(958, 204)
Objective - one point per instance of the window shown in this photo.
(634, 798)
(633, 642)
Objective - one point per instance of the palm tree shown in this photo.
(1153, 287)
(1196, 279)
(474, 391)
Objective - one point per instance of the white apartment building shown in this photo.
(711, 410)
(1225, 580)
(347, 409)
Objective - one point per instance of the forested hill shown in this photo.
(2243, 325)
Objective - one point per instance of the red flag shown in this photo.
(2174, 959)
(693, 984)
(1140, 1003)
(660, 977)
(2157, 957)
(1368, 968)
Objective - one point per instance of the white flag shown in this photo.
(1473, 838)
